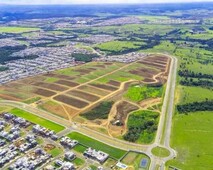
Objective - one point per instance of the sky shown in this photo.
(19, 2)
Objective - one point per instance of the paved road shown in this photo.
(164, 123)
(164, 129)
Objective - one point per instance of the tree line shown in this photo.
(196, 106)
(189, 73)
(191, 82)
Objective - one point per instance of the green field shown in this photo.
(160, 152)
(139, 93)
(37, 120)
(189, 94)
(17, 29)
(192, 139)
(55, 152)
(78, 161)
(134, 159)
(89, 142)
(80, 148)
(118, 46)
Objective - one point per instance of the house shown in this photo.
(67, 166)
(100, 156)
(70, 156)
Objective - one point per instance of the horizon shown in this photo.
(95, 2)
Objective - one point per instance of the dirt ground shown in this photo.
(71, 101)
(55, 108)
(43, 92)
(67, 83)
(50, 86)
(83, 95)
(118, 117)
(149, 102)
(105, 87)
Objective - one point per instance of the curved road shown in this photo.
(162, 136)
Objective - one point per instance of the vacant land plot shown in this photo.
(122, 111)
(189, 133)
(89, 142)
(67, 83)
(50, 86)
(99, 112)
(43, 92)
(93, 90)
(83, 95)
(54, 108)
(37, 120)
(59, 76)
(114, 83)
(105, 87)
(71, 101)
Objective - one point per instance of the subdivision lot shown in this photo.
(43, 92)
(67, 83)
(105, 87)
(50, 86)
(93, 90)
(71, 101)
(83, 95)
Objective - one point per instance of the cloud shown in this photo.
(91, 1)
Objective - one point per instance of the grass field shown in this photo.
(89, 142)
(133, 159)
(37, 120)
(160, 152)
(55, 152)
(192, 139)
(139, 93)
(78, 161)
(17, 29)
(118, 46)
(189, 94)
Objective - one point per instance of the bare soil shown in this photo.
(43, 92)
(71, 101)
(114, 83)
(105, 87)
(67, 83)
(84, 95)
(50, 86)
(93, 90)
